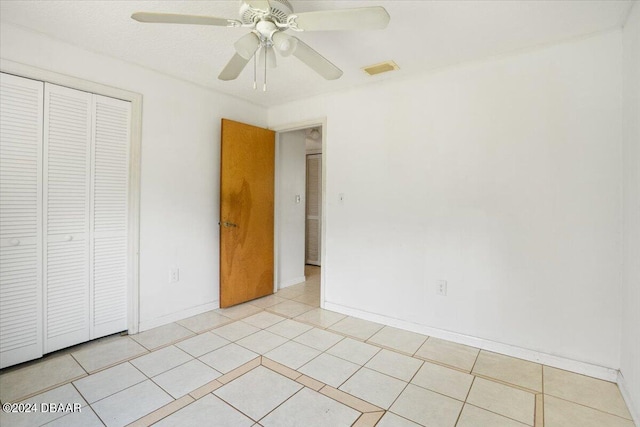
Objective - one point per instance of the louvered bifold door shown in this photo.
(20, 219)
(314, 197)
(110, 184)
(67, 161)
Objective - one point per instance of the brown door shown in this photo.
(247, 163)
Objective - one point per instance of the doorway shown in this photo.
(299, 205)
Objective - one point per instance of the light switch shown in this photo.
(298, 198)
(341, 198)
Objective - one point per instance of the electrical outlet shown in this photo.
(174, 275)
(441, 288)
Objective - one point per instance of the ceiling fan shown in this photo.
(268, 20)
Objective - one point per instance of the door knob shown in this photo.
(14, 242)
(229, 224)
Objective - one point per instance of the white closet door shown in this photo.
(110, 184)
(67, 161)
(314, 197)
(20, 219)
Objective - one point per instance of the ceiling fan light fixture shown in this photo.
(285, 44)
(247, 45)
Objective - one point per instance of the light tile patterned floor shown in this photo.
(282, 361)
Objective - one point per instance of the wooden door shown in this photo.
(247, 164)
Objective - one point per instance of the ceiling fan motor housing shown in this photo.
(279, 11)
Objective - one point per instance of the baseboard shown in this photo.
(626, 395)
(583, 368)
(292, 282)
(178, 315)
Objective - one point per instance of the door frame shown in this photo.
(133, 247)
(322, 123)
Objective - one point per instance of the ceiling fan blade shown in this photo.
(247, 45)
(259, 4)
(362, 18)
(315, 61)
(172, 18)
(233, 68)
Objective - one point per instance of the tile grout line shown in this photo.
(327, 385)
(403, 417)
(437, 392)
(399, 394)
(473, 380)
(508, 384)
(496, 413)
(538, 419)
(444, 365)
(475, 361)
(112, 394)
(384, 347)
(159, 412)
(165, 345)
(421, 345)
(279, 366)
(321, 353)
(460, 414)
(89, 405)
(350, 376)
(282, 403)
(44, 390)
(79, 364)
(350, 395)
(409, 382)
(127, 359)
(590, 407)
(363, 365)
(228, 403)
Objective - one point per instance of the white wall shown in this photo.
(630, 361)
(180, 169)
(501, 177)
(291, 215)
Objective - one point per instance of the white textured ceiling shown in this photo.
(422, 36)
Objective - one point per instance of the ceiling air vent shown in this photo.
(382, 67)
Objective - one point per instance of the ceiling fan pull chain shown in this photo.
(255, 73)
(264, 86)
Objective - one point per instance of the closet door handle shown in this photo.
(229, 224)
(68, 238)
(14, 242)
